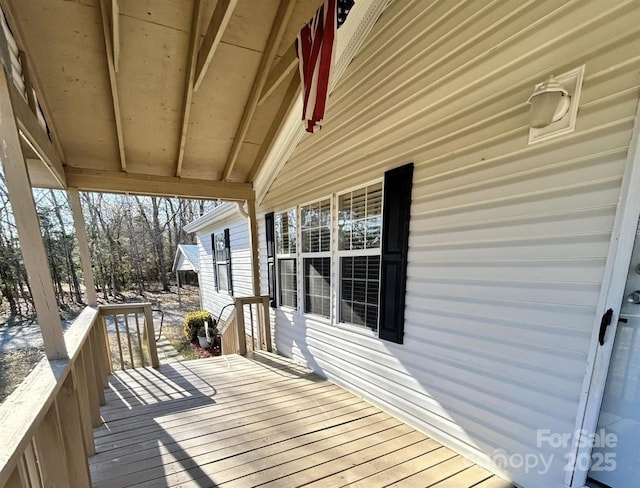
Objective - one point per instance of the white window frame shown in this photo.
(217, 265)
(284, 256)
(320, 254)
(339, 254)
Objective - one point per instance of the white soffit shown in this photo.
(352, 34)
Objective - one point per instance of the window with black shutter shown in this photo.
(368, 256)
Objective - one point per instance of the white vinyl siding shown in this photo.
(240, 265)
(508, 241)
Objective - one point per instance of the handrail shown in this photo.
(50, 416)
(47, 422)
(133, 341)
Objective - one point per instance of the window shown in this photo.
(221, 248)
(315, 232)
(359, 234)
(368, 255)
(286, 236)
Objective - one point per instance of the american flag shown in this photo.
(315, 47)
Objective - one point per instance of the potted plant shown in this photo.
(207, 335)
(193, 321)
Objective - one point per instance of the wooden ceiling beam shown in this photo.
(189, 83)
(218, 24)
(283, 15)
(35, 136)
(16, 30)
(115, 33)
(106, 13)
(293, 92)
(287, 63)
(143, 184)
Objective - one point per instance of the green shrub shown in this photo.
(194, 321)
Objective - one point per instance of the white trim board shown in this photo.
(351, 36)
(611, 295)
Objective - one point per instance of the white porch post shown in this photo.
(253, 231)
(24, 211)
(83, 246)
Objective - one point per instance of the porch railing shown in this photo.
(47, 422)
(132, 342)
(233, 332)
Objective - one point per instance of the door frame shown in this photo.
(611, 296)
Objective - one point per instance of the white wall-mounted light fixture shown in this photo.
(554, 105)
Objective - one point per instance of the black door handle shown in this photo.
(604, 323)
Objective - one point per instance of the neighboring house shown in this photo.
(515, 249)
(186, 265)
(225, 273)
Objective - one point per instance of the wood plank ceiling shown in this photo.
(161, 88)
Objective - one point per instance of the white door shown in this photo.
(616, 457)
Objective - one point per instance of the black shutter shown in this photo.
(227, 254)
(395, 246)
(213, 256)
(270, 232)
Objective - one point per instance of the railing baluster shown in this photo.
(99, 367)
(80, 378)
(140, 345)
(71, 433)
(107, 345)
(126, 324)
(93, 382)
(266, 323)
(31, 466)
(50, 450)
(115, 321)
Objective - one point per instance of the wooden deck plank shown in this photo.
(377, 465)
(195, 437)
(494, 482)
(437, 473)
(172, 421)
(208, 422)
(260, 420)
(220, 456)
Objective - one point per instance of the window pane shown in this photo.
(359, 283)
(317, 283)
(293, 232)
(285, 227)
(221, 254)
(277, 224)
(316, 227)
(360, 218)
(374, 200)
(288, 284)
(223, 277)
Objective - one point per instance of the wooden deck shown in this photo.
(238, 421)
